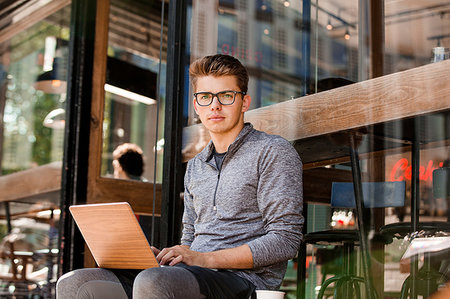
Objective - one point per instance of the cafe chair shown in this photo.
(346, 281)
(376, 194)
(15, 284)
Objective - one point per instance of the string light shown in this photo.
(329, 26)
(347, 34)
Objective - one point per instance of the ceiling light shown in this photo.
(53, 81)
(129, 94)
(55, 119)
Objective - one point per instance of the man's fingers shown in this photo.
(161, 254)
(176, 260)
(167, 256)
(173, 255)
(155, 250)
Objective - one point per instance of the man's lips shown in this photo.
(216, 117)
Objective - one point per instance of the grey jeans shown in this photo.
(165, 282)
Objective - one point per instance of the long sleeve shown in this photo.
(189, 217)
(280, 200)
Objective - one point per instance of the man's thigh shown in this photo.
(183, 281)
(221, 283)
(166, 282)
(79, 282)
(101, 289)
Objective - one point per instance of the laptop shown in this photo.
(114, 236)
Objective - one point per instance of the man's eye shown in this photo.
(204, 96)
(228, 95)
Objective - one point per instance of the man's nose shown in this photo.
(215, 104)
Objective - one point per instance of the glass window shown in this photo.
(416, 34)
(33, 81)
(267, 37)
(396, 120)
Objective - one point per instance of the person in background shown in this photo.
(128, 162)
(243, 202)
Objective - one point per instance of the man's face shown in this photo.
(218, 118)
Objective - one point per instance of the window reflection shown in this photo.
(414, 32)
(33, 82)
(273, 41)
(268, 37)
(135, 78)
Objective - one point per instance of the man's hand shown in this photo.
(180, 253)
(232, 258)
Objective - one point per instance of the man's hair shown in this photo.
(130, 157)
(219, 65)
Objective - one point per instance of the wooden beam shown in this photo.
(28, 183)
(413, 92)
(38, 14)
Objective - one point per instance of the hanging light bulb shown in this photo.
(347, 34)
(329, 26)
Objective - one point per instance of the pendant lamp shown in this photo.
(54, 80)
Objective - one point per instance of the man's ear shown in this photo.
(116, 164)
(194, 102)
(246, 101)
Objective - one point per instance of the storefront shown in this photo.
(360, 88)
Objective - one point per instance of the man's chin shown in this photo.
(215, 128)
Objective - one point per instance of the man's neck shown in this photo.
(222, 141)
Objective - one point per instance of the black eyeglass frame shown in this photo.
(216, 95)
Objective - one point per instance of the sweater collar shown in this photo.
(207, 153)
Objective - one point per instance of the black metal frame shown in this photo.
(77, 131)
(173, 173)
(305, 74)
(362, 227)
(415, 198)
(306, 47)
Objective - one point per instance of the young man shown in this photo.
(243, 201)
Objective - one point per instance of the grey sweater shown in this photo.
(255, 199)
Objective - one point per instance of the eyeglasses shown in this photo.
(225, 97)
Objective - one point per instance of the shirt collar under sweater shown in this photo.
(208, 152)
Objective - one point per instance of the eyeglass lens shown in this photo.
(206, 98)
